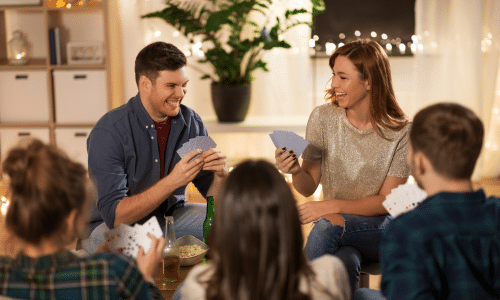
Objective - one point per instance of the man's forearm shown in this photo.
(131, 209)
(216, 186)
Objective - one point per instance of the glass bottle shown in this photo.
(18, 48)
(170, 265)
(208, 219)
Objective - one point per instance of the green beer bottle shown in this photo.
(208, 219)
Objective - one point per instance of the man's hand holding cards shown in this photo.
(403, 199)
(127, 239)
(200, 142)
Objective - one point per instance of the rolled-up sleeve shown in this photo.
(399, 165)
(314, 151)
(107, 170)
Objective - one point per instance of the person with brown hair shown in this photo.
(448, 247)
(51, 199)
(133, 158)
(256, 245)
(357, 149)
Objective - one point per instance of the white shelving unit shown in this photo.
(58, 103)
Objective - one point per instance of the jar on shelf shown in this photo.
(18, 49)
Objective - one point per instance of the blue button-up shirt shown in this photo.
(447, 248)
(124, 159)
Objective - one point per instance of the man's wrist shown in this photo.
(170, 183)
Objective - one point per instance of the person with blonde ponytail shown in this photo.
(51, 199)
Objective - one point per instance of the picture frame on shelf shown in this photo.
(91, 52)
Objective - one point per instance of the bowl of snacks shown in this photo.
(191, 250)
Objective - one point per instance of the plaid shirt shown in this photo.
(447, 248)
(63, 275)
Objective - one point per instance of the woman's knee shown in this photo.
(324, 238)
(335, 219)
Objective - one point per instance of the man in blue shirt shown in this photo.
(133, 158)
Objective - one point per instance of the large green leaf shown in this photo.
(217, 19)
(318, 6)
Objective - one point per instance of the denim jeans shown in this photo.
(357, 241)
(188, 220)
(367, 294)
(177, 293)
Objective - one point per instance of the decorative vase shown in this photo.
(18, 49)
(231, 102)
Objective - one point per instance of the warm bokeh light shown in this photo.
(317, 193)
(4, 204)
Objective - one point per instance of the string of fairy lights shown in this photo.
(393, 46)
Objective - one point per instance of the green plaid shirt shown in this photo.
(447, 248)
(65, 276)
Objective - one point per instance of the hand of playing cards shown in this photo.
(200, 142)
(403, 199)
(289, 140)
(127, 239)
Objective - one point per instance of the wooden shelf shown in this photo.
(33, 64)
(77, 66)
(93, 6)
(73, 125)
(25, 125)
(28, 8)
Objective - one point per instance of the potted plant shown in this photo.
(235, 34)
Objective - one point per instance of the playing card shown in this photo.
(116, 237)
(131, 247)
(289, 140)
(127, 239)
(151, 226)
(404, 198)
(200, 142)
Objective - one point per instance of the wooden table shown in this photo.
(171, 287)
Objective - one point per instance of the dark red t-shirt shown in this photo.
(162, 131)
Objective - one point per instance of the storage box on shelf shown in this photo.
(79, 95)
(9, 137)
(61, 100)
(24, 96)
(74, 142)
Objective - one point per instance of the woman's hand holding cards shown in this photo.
(148, 262)
(287, 161)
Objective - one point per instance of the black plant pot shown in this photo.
(231, 102)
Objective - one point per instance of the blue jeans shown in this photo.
(177, 293)
(357, 241)
(188, 220)
(367, 294)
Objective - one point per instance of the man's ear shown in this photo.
(144, 83)
(422, 164)
(71, 223)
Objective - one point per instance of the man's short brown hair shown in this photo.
(450, 136)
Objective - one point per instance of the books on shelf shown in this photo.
(57, 46)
